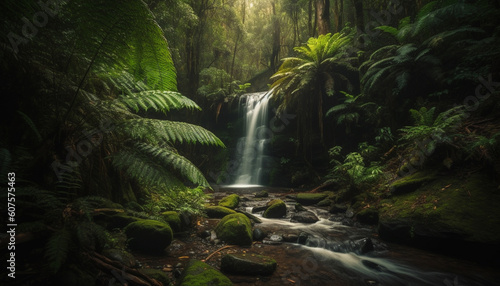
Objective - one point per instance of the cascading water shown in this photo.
(251, 147)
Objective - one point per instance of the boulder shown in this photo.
(156, 274)
(218, 211)
(304, 217)
(230, 201)
(149, 235)
(412, 182)
(299, 207)
(173, 219)
(235, 229)
(276, 209)
(310, 198)
(262, 194)
(248, 264)
(258, 234)
(324, 203)
(337, 208)
(368, 216)
(198, 273)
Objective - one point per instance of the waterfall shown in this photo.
(250, 149)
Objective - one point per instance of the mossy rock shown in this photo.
(248, 264)
(262, 194)
(156, 274)
(310, 199)
(218, 211)
(412, 182)
(276, 209)
(235, 229)
(324, 203)
(173, 219)
(448, 211)
(368, 216)
(230, 201)
(198, 273)
(149, 235)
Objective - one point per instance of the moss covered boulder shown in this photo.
(310, 198)
(276, 209)
(368, 216)
(198, 273)
(412, 182)
(235, 229)
(230, 201)
(262, 194)
(218, 211)
(120, 220)
(149, 235)
(173, 219)
(248, 264)
(453, 214)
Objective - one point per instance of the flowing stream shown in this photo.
(332, 247)
(251, 146)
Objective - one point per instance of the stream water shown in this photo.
(332, 254)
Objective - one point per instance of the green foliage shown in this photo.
(351, 110)
(187, 200)
(57, 249)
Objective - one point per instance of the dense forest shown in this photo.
(120, 141)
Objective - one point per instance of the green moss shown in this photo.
(218, 211)
(467, 206)
(262, 194)
(235, 229)
(276, 209)
(156, 274)
(198, 273)
(173, 219)
(230, 201)
(310, 198)
(149, 235)
(412, 182)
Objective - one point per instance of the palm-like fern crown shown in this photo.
(104, 60)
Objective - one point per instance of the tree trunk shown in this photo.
(358, 7)
(276, 40)
(323, 16)
(310, 26)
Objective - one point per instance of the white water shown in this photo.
(251, 147)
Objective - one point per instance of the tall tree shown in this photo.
(323, 16)
(358, 9)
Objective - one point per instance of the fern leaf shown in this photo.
(158, 100)
(57, 248)
(155, 131)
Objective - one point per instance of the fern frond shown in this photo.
(156, 131)
(31, 125)
(158, 100)
(57, 249)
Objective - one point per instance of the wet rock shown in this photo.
(372, 265)
(230, 201)
(121, 256)
(337, 208)
(258, 234)
(347, 222)
(262, 194)
(218, 211)
(276, 238)
(185, 219)
(248, 264)
(299, 207)
(368, 216)
(204, 234)
(304, 217)
(290, 238)
(259, 209)
(276, 209)
(156, 274)
(251, 217)
(199, 273)
(149, 235)
(235, 229)
(371, 282)
(310, 198)
(173, 220)
(349, 213)
(363, 246)
(324, 203)
(303, 236)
